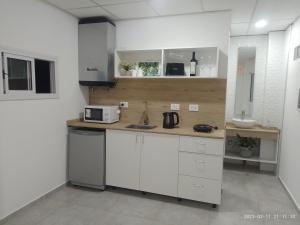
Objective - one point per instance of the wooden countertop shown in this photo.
(184, 131)
(257, 131)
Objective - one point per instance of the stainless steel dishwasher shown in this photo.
(86, 158)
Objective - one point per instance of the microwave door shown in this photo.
(94, 114)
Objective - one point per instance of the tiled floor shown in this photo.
(243, 195)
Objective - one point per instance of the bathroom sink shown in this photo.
(244, 123)
(141, 126)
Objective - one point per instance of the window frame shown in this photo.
(5, 74)
(30, 94)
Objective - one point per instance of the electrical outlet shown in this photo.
(175, 107)
(124, 104)
(193, 107)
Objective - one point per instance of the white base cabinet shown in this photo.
(200, 165)
(178, 166)
(159, 164)
(123, 159)
(199, 189)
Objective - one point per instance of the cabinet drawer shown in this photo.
(202, 145)
(199, 189)
(200, 165)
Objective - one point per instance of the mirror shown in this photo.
(245, 82)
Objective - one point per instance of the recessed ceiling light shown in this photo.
(261, 23)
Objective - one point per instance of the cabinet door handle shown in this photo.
(136, 138)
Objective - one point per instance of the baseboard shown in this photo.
(289, 193)
(4, 220)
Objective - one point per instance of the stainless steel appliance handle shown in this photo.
(83, 132)
(92, 69)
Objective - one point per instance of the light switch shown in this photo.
(175, 106)
(193, 107)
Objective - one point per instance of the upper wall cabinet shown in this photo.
(209, 62)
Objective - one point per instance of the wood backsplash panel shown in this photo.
(210, 94)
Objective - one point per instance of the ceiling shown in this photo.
(278, 13)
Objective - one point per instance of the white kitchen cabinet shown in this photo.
(123, 159)
(200, 189)
(200, 169)
(200, 165)
(173, 165)
(159, 164)
(208, 146)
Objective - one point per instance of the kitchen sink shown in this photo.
(141, 126)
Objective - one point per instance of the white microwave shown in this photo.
(101, 114)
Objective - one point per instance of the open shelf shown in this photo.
(135, 57)
(212, 62)
(230, 155)
(207, 60)
(167, 77)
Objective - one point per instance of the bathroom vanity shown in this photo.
(268, 149)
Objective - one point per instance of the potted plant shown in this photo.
(125, 68)
(246, 146)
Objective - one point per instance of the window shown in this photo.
(44, 76)
(27, 77)
(17, 73)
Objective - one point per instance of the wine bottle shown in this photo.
(193, 65)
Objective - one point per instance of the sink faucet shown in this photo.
(145, 117)
(243, 115)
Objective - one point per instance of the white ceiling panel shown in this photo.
(238, 29)
(279, 13)
(72, 4)
(241, 9)
(131, 10)
(171, 7)
(112, 2)
(88, 12)
(277, 9)
(274, 25)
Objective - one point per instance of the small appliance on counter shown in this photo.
(169, 120)
(204, 128)
(101, 114)
(175, 69)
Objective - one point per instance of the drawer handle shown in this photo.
(201, 147)
(201, 144)
(200, 164)
(201, 186)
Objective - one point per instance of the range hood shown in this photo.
(96, 46)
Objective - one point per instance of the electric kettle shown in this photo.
(169, 120)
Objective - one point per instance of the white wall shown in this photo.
(290, 154)
(33, 132)
(261, 44)
(275, 80)
(270, 76)
(197, 30)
